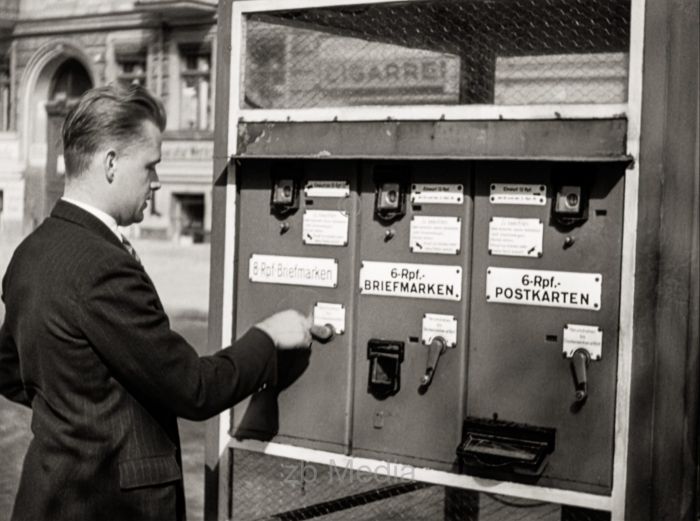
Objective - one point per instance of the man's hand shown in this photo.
(288, 329)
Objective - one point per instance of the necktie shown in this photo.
(130, 249)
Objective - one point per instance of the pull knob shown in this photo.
(322, 333)
(579, 363)
(435, 350)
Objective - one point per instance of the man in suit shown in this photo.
(86, 343)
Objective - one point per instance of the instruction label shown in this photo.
(332, 314)
(325, 227)
(327, 189)
(515, 237)
(435, 235)
(577, 336)
(439, 325)
(429, 281)
(300, 271)
(526, 194)
(559, 289)
(433, 193)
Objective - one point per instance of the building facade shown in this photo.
(53, 50)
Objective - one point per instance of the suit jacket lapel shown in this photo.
(69, 212)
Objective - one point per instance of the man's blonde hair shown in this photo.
(105, 113)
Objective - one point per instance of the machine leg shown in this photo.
(583, 514)
(461, 505)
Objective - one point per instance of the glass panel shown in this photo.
(4, 96)
(195, 105)
(507, 52)
(195, 96)
(561, 78)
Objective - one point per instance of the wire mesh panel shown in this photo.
(504, 52)
(268, 488)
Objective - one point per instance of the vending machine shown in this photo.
(459, 193)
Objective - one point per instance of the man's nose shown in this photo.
(154, 185)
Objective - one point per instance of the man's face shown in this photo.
(136, 175)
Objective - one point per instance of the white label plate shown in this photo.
(300, 271)
(439, 325)
(394, 279)
(515, 237)
(328, 313)
(327, 189)
(432, 193)
(527, 194)
(435, 234)
(559, 289)
(588, 337)
(325, 227)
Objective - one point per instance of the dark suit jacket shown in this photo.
(86, 344)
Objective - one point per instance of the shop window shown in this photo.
(188, 216)
(195, 88)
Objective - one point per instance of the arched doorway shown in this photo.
(69, 81)
(59, 68)
(67, 84)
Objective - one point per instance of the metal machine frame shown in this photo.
(635, 281)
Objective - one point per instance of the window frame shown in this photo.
(178, 45)
(131, 58)
(129, 44)
(415, 112)
(631, 110)
(6, 92)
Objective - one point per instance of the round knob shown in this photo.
(322, 333)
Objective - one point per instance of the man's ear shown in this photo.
(110, 165)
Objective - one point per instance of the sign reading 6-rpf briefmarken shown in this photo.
(397, 279)
(560, 289)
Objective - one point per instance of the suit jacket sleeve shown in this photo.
(121, 315)
(11, 385)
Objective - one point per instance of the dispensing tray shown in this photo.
(494, 446)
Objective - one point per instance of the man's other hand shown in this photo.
(288, 329)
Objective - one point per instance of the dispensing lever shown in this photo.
(579, 363)
(435, 350)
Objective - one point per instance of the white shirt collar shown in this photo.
(107, 219)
